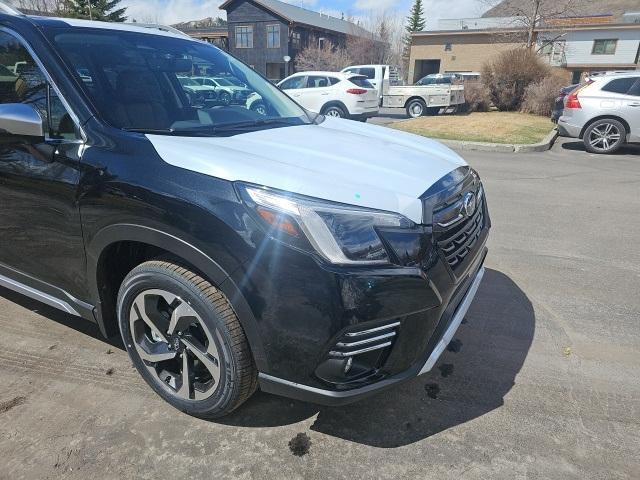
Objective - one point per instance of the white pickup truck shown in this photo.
(418, 100)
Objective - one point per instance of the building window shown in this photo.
(448, 47)
(296, 40)
(321, 42)
(604, 47)
(244, 37)
(273, 36)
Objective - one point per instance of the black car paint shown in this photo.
(111, 186)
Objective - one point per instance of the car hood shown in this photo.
(338, 160)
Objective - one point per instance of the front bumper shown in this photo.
(459, 305)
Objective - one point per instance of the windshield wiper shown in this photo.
(251, 124)
(151, 131)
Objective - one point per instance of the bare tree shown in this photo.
(322, 56)
(528, 15)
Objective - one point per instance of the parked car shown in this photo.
(333, 94)
(559, 105)
(228, 91)
(309, 256)
(439, 79)
(198, 92)
(604, 112)
(417, 100)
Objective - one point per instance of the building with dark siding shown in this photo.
(263, 32)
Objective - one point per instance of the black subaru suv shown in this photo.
(231, 246)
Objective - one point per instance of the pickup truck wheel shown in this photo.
(604, 136)
(334, 111)
(185, 340)
(416, 108)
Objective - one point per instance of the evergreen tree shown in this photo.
(103, 10)
(415, 23)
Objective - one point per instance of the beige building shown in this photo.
(457, 50)
(572, 46)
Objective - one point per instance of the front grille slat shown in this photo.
(457, 242)
(354, 343)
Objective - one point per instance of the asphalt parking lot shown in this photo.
(542, 381)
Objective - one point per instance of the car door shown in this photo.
(41, 242)
(317, 93)
(633, 108)
(292, 86)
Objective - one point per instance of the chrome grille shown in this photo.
(459, 238)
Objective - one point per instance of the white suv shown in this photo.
(333, 94)
(604, 112)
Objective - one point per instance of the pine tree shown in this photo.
(103, 10)
(415, 23)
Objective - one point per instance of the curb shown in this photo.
(543, 146)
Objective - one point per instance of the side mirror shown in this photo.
(20, 120)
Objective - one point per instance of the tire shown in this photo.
(174, 318)
(334, 111)
(225, 98)
(259, 108)
(605, 136)
(416, 108)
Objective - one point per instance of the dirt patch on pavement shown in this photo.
(9, 404)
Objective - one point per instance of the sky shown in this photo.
(173, 11)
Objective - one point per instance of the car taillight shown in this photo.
(357, 91)
(572, 101)
(572, 98)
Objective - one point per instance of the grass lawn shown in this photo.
(494, 127)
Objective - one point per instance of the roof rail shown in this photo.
(164, 28)
(9, 10)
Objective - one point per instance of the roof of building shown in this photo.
(296, 14)
(548, 28)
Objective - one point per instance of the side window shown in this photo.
(620, 85)
(317, 82)
(334, 80)
(370, 73)
(22, 81)
(635, 90)
(294, 83)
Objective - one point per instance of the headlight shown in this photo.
(342, 234)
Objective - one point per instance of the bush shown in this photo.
(540, 97)
(507, 77)
(477, 97)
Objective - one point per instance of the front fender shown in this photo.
(176, 246)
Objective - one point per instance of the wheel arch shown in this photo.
(411, 99)
(162, 243)
(627, 127)
(335, 103)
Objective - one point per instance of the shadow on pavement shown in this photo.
(578, 146)
(494, 343)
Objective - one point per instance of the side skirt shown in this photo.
(45, 293)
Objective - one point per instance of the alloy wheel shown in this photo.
(175, 345)
(334, 112)
(604, 136)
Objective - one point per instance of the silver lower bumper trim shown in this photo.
(455, 323)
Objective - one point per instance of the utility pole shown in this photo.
(90, 13)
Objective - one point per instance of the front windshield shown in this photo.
(141, 82)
